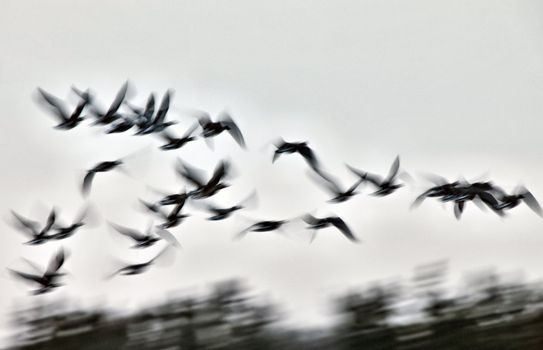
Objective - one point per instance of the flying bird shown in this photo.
(219, 213)
(111, 115)
(262, 226)
(384, 186)
(31, 228)
(144, 116)
(67, 121)
(334, 188)
(49, 279)
(63, 232)
(98, 168)
(147, 238)
(174, 142)
(224, 123)
(136, 269)
(171, 219)
(520, 194)
(284, 147)
(159, 123)
(195, 177)
(320, 223)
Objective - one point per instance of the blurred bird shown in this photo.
(177, 142)
(147, 238)
(63, 232)
(136, 269)
(331, 185)
(223, 213)
(144, 116)
(171, 219)
(48, 280)
(195, 176)
(384, 186)
(320, 223)
(98, 168)
(158, 124)
(31, 228)
(111, 114)
(225, 123)
(262, 226)
(58, 107)
(520, 194)
(283, 147)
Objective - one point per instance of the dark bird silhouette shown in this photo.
(320, 223)
(49, 279)
(262, 226)
(195, 177)
(143, 116)
(384, 186)
(63, 232)
(283, 147)
(159, 123)
(147, 238)
(223, 213)
(174, 142)
(111, 115)
(171, 219)
(442, 188)
(174, 199)
(225, 123)
(520, 194)
(98, 168)
(136, 269)
(31, 228)
(67, 121)
(332, 186)
(122, 124)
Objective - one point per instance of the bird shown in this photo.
(284, 147)
(111, 115)
(320, 223)
(122, 124)
(174, 142)
(195, 176)
(442, 188)
(32, 227)
(98, 168)
(147, 238)
(144, 116)
(384, 186)
(67, 121)
(63, 232)
(159, 124)
(520, 194)
(136, 269)
(331, 185)
(262, 226)
(223, 213)
(174, 199)
(224, 123)
(49, 279)
(171, 219)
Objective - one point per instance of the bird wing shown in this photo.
(393, 169)
(343, 228)
(154, 208)
(26, 224)
(326, 181)
(531, 202)
(374, 179)
(458, 209)
(168, 237)
(28, 277)
(233, 129)
(87, 182)
(55, 103)
(310, 219)
(50, 221)
(190, 130)
(220, 171)
(163, 109)
(126, 231)
(309, 156)
(56, 262)
(193, 175)
(119, 98)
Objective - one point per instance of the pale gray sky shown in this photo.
(454, 87)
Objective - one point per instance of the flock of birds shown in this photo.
(169, 209)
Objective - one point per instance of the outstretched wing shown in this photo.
(309, 156)
(168, 237)
(531, 202)
(233, 129)
(393, 169)
(163, 109)
(374, 179)
(56, 104)
(134, 234)
(28, 277)
(221, 171)
(56, 263)
(119, 98)
(310, 219)
(190, 130)
(87, 182)
(191, 174)
(25, 224)
(343, 228)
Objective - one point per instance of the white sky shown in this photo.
(454, 87)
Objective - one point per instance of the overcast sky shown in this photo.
(453, 87)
